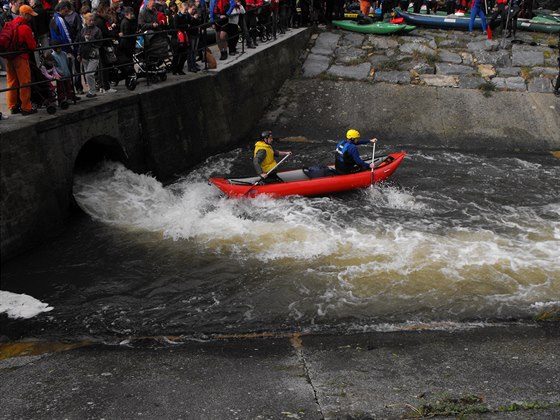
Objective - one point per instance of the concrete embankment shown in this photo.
(505, 371)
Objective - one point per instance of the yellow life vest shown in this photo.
(269, 162)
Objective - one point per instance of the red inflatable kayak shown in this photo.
(299, 182)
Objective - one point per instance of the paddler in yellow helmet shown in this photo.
(347, 157)
(264, 158)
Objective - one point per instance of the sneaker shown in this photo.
(14, 111)
(91, 95)
(111, 90)
(31, 111)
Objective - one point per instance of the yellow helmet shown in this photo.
(352, 134)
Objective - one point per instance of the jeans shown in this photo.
(476, 10)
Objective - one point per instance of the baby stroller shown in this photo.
(151, 59)
(43, 90)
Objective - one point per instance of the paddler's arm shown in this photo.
(356, 156)
(257, 160)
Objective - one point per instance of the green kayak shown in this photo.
(380, 28)
(538, 25)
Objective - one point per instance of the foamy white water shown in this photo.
(18, 306)
(464, 238)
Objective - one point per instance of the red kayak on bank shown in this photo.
(303, 182)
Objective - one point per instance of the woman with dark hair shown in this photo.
(179, 40)
(104, 21)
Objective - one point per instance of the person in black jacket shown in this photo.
(127, 40)
(40, 23)
(107, 27)
(195, 20)
(179, 40)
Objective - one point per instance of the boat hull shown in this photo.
(310, 187)
(379, 28)
(438, 21)
(536, 25)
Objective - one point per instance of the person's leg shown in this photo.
(93, 69)
(12, 82)
(24, 78)
(471, 20)
(175, 60)
(483, 19)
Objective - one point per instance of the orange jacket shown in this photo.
(25, 40)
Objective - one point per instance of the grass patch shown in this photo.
(431, 59)
(487, 88)
(525, 72)
(449, 406)
(390, 64)
(358, 60)
(439, 39)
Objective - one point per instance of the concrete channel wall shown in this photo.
(164, 129)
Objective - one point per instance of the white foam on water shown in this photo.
(360, 257)
(19, 306)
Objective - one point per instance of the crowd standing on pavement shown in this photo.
(95, 43)
(84, 47)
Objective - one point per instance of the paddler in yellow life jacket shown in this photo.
(264, 158)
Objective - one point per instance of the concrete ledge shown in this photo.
(374, 375)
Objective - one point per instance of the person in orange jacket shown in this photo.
(364, 7)
(18, 72)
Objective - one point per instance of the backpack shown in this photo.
(318, 171)
(9, 39)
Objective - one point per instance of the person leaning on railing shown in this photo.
(103, 20)
(220, 10)
(180, 40)
(127, 40)
(18, 72)
(88, 53)
(193, 32)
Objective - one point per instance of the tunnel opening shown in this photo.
(91, 156)
(98, 150)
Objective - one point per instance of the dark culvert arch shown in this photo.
(97, 150)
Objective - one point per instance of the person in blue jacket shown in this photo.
(347, 157)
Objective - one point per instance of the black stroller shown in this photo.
(151, 59)
(43, 90)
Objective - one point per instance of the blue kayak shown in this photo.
(439, 21)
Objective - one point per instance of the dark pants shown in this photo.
(272, 178)
(179, 56)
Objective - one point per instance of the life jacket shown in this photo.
(268, 163)
(221, 7)
(343, 161)
(253, 4)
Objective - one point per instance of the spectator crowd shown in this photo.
(84, 47)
